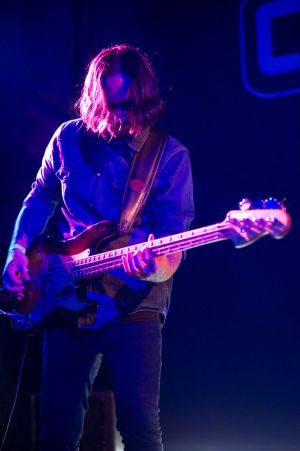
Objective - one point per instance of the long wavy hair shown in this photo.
(147, 103)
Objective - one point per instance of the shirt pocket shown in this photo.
(118, 183)
(62, 174)
(118, 174)
(106, 191)
(74, 182)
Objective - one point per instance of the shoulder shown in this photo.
(174, 150)
(69, 129)
(173, 145)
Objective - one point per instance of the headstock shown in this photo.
(256, 219)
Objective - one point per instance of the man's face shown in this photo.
(117, 87)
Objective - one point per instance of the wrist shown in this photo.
(17, 246)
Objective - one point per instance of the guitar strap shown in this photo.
(141, 176)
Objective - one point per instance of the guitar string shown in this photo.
(96, 264)
(105, 257)
(108, 262)
(165, 248)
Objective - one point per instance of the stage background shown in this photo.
(231, 373)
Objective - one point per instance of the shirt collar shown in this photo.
(137, 142)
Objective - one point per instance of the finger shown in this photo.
(148, 250)
(11, 280)
(146, 263)
(150, 239)
(125, 263)
(14, 288)
(142, 267)
(134, 262)
(15, 279)
(19, 296)
(129, 264)
(134, 265)
(25, 274)
(148, 258)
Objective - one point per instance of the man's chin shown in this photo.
(123, 132)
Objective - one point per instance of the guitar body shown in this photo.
(52, 285)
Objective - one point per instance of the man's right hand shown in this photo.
(15, 272)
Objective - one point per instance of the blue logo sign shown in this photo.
(270, 47)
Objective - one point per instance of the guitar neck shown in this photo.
(93, 265)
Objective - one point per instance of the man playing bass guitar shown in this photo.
(81, 182)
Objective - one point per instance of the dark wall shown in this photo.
(231, 368)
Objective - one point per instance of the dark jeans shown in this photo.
(71, 361)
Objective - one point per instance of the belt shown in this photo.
(142, 315)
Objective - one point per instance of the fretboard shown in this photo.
(93, 265)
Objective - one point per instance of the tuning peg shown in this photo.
(258, 204)
(245, 204)
(271, 203)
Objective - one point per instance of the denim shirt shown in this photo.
(84, 177)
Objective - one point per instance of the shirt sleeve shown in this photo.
(40, 203)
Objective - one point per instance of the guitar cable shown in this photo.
(15, 394)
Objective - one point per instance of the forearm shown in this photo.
(41, 201)
(30, 223)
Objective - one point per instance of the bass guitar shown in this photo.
(57, 269)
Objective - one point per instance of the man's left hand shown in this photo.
(143, 265)
(140, 264)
